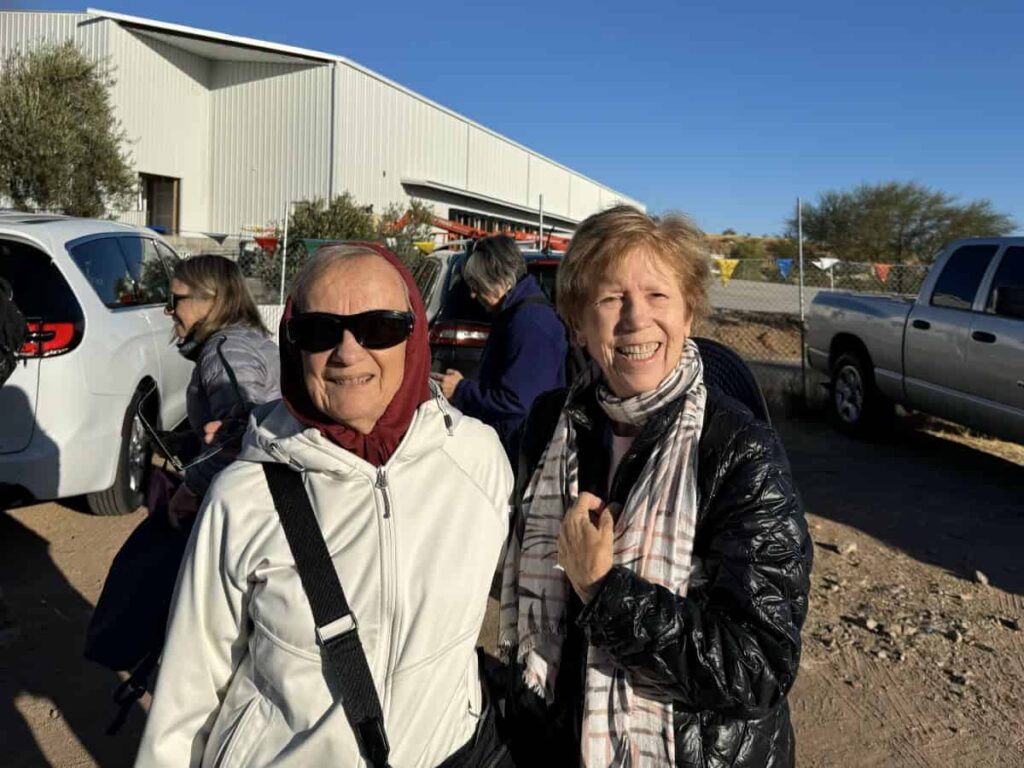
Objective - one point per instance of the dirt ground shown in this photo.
(754, 335)
(914, 649)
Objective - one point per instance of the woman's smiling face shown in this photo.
(636, 324)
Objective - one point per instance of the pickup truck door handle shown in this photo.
(984, 337)
(924, 325)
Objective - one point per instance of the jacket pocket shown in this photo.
(243, 738)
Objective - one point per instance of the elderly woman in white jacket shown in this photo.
(411, 498)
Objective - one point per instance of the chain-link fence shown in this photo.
(755, 303)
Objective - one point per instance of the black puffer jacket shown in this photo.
(728, 653)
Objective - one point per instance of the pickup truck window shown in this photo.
(960, 278)
(1009, 274)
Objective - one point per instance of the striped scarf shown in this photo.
(653, 537)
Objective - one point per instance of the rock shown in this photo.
(882, 655)
(1009, 623)
(981, 578)
(871, 624)
(54, 713)
(954, 636)
(847, 548)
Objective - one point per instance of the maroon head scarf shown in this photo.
(389, 430)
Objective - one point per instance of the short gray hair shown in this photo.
(325, 259)
(495, 263)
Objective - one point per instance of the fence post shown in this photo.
(803, 332)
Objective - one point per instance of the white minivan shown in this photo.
(93, 294)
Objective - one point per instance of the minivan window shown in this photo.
(40, 290)
(147, 268)
(103, 263)
(958, 284)
(1009, 274)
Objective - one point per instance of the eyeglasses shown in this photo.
(227, 435)
(175, 298)
(376, 329)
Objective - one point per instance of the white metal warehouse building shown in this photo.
(228, 131)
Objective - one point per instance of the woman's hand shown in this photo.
(449, 381)
(585, 544)
(183, 505)
(210, 431)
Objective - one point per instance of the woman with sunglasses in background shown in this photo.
(218, 327)
(404, 502)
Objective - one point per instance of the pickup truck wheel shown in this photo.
(858, 408)
(127, 493)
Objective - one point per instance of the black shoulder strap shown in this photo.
(344, 661)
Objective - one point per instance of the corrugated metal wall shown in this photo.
(162, 98)
(25, 30)
(270, 140)
(382, 135)
(385, 134)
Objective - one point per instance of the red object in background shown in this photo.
(882, 270)
(46, 339)
(268, 244)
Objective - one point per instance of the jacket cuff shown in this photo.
(610, 615)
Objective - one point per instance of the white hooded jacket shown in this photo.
(415, 543)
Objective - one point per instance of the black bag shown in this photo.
(128, 626)
(344, 661)
(13, 331)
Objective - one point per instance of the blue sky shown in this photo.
(727, 113)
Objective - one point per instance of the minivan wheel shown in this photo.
(857, 407)
(128, 491)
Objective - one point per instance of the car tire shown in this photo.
(856, 406)
(128, 491)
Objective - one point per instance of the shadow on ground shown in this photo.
(41, 658)
(941, 502)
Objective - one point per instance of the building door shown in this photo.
(160, 200)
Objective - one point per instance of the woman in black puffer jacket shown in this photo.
(668, 632)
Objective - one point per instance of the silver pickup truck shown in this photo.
(956, 351)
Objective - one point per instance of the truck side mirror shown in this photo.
(1010, 302)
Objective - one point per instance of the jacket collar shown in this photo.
(275, 435)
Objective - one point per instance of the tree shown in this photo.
(342, 219)
(402, 227)
(61, 148)
(895, 222)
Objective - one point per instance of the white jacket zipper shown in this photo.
(390, 618)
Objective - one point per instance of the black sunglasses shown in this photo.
(174, 299)
(376, 329)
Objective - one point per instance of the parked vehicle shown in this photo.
(92, 293)
(459, 326)
(956, 351)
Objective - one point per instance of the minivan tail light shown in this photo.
(460, 334)
(48, 339)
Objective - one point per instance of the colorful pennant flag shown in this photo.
(726, 267)
(268, 244)
(425, 246)
(218, 237)
(882, 270)
(785, 267)
(825, 263)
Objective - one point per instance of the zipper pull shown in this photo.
(382, 486)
